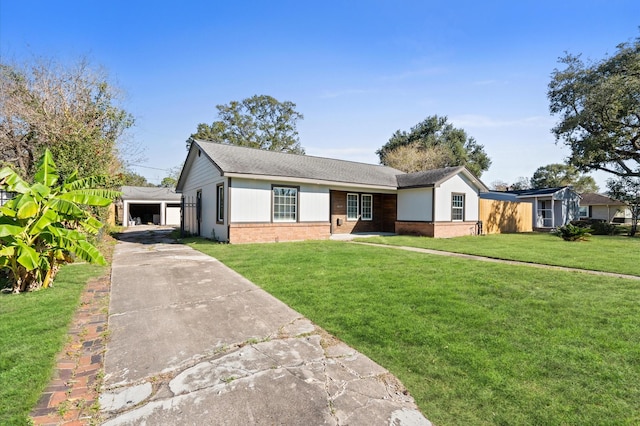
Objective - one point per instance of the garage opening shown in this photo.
(145, 214)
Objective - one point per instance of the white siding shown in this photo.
(314, 203)
(415, 204)
(608, 213)
(251, 201)
(204, 176)
(460, 185)
(172, 216)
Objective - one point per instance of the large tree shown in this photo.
(627, 190)
(520, 183)
(260, 121)
(438, 143)
(556, 175)
(599, 108)
(72, 110)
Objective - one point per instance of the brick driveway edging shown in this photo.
(71, 398)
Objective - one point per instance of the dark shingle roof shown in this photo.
(426, 178)
(149, 193)
(593, 199)
(252, 161)
(533, 192)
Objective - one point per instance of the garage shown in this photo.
(143, 205)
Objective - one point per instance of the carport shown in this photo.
(143, 205)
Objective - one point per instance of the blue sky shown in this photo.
(357, 70)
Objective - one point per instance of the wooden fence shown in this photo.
(502, 217)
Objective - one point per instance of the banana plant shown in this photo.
(46, 224)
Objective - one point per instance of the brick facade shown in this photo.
(384, 214)
(240, 233)
(436, 229)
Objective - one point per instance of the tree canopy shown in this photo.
(260, 121)
(520, 183)
(433, 143)
(72, 110)
(557, 175)
(599, 108)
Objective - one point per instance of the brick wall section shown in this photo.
(384, 214)
(414, 228)
(241, 233)
(437, 229)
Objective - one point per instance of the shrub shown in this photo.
(604, 228)
(46, 224)
(571, 232)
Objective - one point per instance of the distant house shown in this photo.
(240, 195)
(601, 207)
(148, 205)
(552, 207)
(5, 196)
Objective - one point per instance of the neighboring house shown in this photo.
(601, 207)
(148, 205)
(5, 196)
(240, 194)
(552, 207)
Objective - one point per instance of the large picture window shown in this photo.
(367, 207)
(285, 204)
(220, 203)
(352, 206)
(457, 207)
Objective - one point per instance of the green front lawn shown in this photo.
(474, 342)
(617, 254)
(33, 329)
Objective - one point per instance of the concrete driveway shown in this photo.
(194, 343)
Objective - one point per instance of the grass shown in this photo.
(617, 254)
(33, 330)
(475, 343)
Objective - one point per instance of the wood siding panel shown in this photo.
(502, 217)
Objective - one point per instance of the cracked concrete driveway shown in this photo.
(194, 343)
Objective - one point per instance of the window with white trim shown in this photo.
(352, 206)
(220, 203)
(457, 207)
(367, 207)
(584, 211)
(285, 204)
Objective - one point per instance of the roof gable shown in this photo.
(435, 177)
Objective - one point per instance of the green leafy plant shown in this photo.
(571, 232)
(46, 224)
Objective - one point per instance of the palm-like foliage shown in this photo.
(46, 224)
